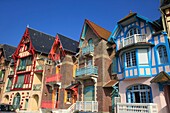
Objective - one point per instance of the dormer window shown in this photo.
(133, 31)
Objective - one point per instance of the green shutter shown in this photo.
(114, 66)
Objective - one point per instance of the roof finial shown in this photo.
(27, 25)
(130, 11)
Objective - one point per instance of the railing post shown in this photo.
(150, 108)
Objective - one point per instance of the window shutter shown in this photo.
(143, 56)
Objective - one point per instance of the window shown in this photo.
(2, 73)
(90, 41)
(9, 84)
(132, 31)
(163, 57)
(130, 58)
(143, 56)
(68, 96)
(20, 81)
(16, 102)
(24, 62)
(139, 94)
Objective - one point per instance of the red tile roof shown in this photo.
(99, 31)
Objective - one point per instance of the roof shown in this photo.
(165, 3)
(68, 44)
(161, 77)
(131, 14)
(111, 83)
(41, 42)
(8, 51)
(101, 32)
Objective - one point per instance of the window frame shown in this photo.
(144, 93)
(129, 59)
(132, 31)
(162, 54)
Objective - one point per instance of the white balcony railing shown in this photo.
(87, 106)
(137, 108)
(132, 39)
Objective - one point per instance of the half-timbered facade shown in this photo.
(143, 63)
(24, 85)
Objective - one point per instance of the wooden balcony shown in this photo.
(53, 79)
(90, 106)
(87, 71)
(137, 108)
(132, 40)
(88, 50)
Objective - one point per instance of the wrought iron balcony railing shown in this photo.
(90, 70)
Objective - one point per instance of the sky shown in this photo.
(66, 17)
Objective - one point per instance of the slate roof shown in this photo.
(101, 32)
(8, 51)
(165, 2)
(128, 16)
(68, 43)
(41, 42)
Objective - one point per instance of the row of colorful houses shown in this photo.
(123, 71)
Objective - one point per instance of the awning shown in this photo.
(161, 77)
(111, 83)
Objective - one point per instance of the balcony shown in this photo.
(88, 50)
(132, 40)
(87, 71)
(37, 87)
(137, 108)
(87, 106)
(53, 79)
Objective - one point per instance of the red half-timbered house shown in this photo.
(59, 73)
(24, 86)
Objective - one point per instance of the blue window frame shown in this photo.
(139, 94)
(130, 58)
(162, 53)
(89, 93)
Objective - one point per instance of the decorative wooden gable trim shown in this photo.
(24, 45)
(161, 77)
(57, 52)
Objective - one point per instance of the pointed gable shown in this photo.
(41, 42)
(99, 31)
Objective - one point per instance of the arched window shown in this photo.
(16, 101)
(133, 31)
(90, 41)
(162, 53)
(139, 94)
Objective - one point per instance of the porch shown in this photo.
(136, 108)
(87, 106)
